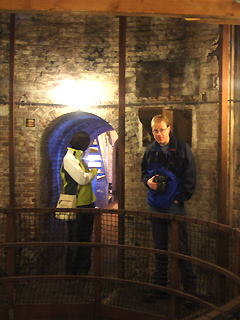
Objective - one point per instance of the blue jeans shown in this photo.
(78, 260)
(160, 237)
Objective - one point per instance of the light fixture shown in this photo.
(79, 94)
(23, 101)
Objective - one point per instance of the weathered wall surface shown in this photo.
(4, 116)
(50, 49)
(186, 54)
(170, 64)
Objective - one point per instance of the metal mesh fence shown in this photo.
(54, 292)
(123, 264)
(3, 228)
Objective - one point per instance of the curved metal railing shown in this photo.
(33, 280)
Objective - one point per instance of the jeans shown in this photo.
(78, 260)
(160, 237)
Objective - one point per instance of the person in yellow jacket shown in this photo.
(77, 179)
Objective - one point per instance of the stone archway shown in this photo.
(54, 144)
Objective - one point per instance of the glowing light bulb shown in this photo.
(79, 94)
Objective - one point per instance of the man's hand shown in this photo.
(153, 185)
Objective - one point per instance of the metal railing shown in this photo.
(34, 284)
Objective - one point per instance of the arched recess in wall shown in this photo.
(54, 145)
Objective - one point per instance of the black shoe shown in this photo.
(155, 295)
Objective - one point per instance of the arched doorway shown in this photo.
(54, 146)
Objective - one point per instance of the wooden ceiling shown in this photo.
(212, 11)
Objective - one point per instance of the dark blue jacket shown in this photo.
(181, 172)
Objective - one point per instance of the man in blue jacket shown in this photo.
(168, 171)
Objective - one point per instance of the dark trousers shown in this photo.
(160, 236)
(78, 260)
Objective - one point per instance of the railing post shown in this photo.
(237, 263)
(121, 235)
(222, 261)
(10, 237)
(174, 267)
(97, 263)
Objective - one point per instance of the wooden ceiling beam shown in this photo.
(225, 11)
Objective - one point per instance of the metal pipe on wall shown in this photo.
(222, 241)
(223, 125)
(121, 126)
(121, 141)
(11, 112)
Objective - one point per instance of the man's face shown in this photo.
(161, 132)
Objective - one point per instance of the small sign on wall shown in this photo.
(30, 123)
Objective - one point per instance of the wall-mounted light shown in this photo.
(24, 101)
(80, 94)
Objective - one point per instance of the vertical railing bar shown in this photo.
(121, 240)
(175, 236)
(10, 238)
(237, 264)
(97, 262)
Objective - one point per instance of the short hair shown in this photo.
(80, 141)
(160, 118)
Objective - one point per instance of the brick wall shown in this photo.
(170, 64)
(190, 50)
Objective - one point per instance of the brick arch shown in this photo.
(55, 141)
